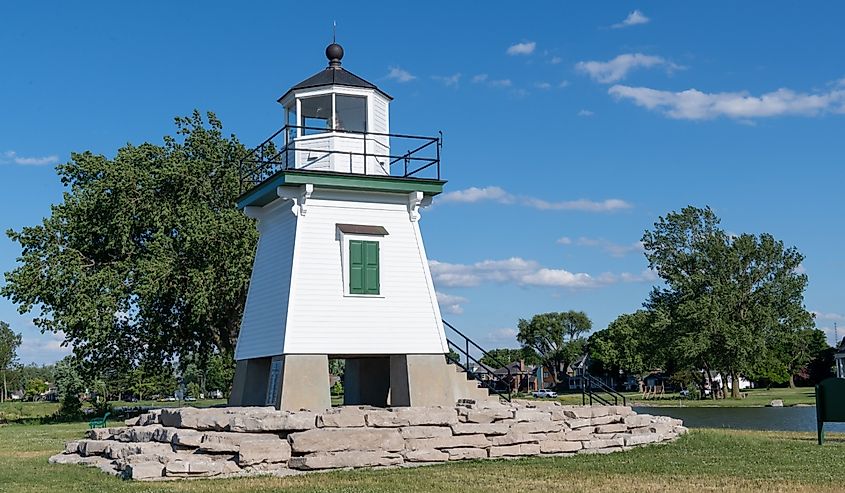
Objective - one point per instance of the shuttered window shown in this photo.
(363, 267)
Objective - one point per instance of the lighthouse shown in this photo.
(340, 268)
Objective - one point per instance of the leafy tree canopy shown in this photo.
(146, 259)
(556, 338)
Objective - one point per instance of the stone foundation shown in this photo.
(228, 442)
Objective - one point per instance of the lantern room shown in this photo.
(337, 121)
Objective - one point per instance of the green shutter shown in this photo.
(371, 274)
(356, 267)
(363, 267)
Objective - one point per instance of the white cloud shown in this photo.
(834, 335)
(634, 18)
(450, 303)
(503, 337)
(555, 60)
(618, 68)
(525, 48)
(563, 83)
(448, 80)
(585, 113)
(501, 196)
(524, 273)
(13, 157)
(543, 85)
(614, 249)
(693, 104)
(485, 79)
(400, 75)
(41, 348)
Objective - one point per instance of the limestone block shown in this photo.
(164, 434)
(199, 466)
(383, 418)
(571, 435)
(613, 442)
(101, 433)
(633, 440)
(466, 453)
(93, 447)
(427, 431)
(438, 416)
(253, 452)
(272, 421)
(144, 470)
(179, 417)
(515, 438)
(139, 433)
(483, 428)
(475, 441)
(225, 442)
(425, 455)
(612, 428)
(340, 439)
(681, 430)
(343, 417)
(187, 438)
(119, 450)
(532, 415)
(575, 423)
(515, 450)
(213, 419)
(606, 420)
(149, 418)
(637, 420)
(536, 427)
(668, 421)
(334, 460)
(599, 411)
(71, 447)
(487, 415)
(131, 421)
(621, 410)
(578, 412)
(559, 446)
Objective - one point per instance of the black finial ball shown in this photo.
(334, 52)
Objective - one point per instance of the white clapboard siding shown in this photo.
(265, 314)
(404, 319)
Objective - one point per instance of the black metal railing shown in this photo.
(594, 390)
(282, 151)
(475, 369)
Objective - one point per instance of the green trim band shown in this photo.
(265, 192)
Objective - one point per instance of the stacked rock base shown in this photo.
(228, 442)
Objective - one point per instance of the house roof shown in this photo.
(841, 347)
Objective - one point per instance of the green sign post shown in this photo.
(830, 403)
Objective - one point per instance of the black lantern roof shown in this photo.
(334, 74)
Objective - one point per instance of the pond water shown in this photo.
(746, 418)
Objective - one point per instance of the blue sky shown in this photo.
(568, 128)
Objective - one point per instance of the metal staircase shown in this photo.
(485, 376)
(596, 391)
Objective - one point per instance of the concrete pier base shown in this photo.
(421, 380)
(298, 381)
(249, 387)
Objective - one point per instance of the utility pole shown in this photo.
(835, 336)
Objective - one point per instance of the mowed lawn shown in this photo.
(753, 398)
(704, 460)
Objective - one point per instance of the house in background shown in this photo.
(839, 360)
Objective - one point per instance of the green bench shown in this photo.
(99, 422)
(830, 403)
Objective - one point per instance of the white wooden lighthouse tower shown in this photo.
(340, 270)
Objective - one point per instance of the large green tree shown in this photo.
(146, 259)
(630, 343)
(9, 344)
(556, 338)
(496, 358)
(728, 298)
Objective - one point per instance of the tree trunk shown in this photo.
(5, 390)
(724, 386)
(791, 381)
(735, 386)
(710, 381)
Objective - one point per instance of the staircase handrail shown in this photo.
(587, 383)
(507, 380)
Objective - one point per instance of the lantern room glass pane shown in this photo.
(351, 113)
(316, 114)
(290, 110)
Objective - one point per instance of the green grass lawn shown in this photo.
(753, 398)
(22, 411)
(704, 460)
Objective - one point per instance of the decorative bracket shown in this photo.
(415, 201)
(298, 197)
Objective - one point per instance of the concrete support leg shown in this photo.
(304, 382)
(420, 380)
(366, 381)
(249, 387)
